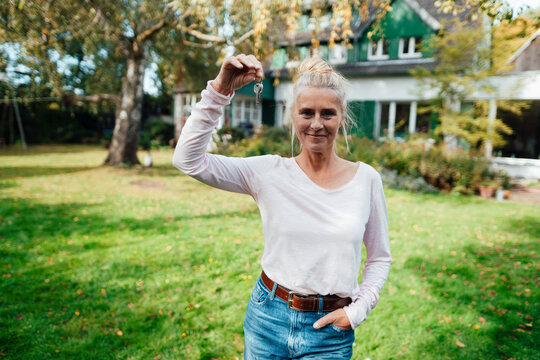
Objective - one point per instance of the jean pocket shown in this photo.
(338, 329)
(260, 293)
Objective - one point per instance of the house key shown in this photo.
(258, 88)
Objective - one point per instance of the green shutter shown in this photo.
(351, 52)
(303, 23)
(324, 52)
(279, 58)
(363, 116)
(303, 52)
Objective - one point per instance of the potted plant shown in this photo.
(487, 188)
(506, 187)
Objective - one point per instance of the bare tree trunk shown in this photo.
(125, 138)
(132, 143)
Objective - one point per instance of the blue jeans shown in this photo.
(274, 331)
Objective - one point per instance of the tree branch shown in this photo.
(243, 37)
(91, 98)
(100, 15)
(198, 45)
(148, 33)
(201, 36)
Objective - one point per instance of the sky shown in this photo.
(517, 3)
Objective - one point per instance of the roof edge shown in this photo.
(423, 14)
(523, 47)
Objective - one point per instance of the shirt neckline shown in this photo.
(347, 184)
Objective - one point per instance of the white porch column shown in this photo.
(178, 113)
(451, 140)
(391, 119)
(492, 113)
(412, 118)
(278, 119)
(377, 121)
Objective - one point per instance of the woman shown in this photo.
(316, 209)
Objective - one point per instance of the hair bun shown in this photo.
(314, 65)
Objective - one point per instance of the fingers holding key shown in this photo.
(257, 66)
(251, 66)
(237, 71)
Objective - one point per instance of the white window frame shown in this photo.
(408, 54)
(378, 53)
(340, 50)
(243, 105)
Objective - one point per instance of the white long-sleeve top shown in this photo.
(313, 235)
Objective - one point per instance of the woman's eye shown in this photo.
(306, 112)
(328, 113)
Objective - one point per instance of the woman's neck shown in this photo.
(315, 162)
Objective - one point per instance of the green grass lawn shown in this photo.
(107, 263)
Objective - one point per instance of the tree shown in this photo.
(114, 40)
(467, 54)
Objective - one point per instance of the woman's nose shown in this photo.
(316, 123)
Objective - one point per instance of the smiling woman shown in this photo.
(316, 208)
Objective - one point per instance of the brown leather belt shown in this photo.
(301, 302)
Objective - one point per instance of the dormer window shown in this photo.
(409, 47)
(378, 50)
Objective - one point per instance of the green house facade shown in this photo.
(382, 95)
(384, 98)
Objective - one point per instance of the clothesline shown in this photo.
(38, 99)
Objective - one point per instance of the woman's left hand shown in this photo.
(338, 317)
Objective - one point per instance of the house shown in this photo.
(384, 97)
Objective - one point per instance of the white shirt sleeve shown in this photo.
(378, 260)
(190, 157)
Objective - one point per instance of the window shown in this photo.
(378, 50)
(409, 47)
(246, 110)
(338, 54)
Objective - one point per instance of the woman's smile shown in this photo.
(317, 136)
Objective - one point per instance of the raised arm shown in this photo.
(190, 157)
(378, 261)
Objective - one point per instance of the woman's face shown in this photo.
(317, 117)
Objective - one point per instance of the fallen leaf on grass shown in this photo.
(460, 344)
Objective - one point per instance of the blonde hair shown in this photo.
(314, 72)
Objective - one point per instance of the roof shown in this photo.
(524, 47)
(425, 9)
(423, 14)
(367, 68)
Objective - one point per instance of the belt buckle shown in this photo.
(290, 299)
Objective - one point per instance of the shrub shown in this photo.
(156, 133)
(268, 140)
(439, 168)
(444, 170)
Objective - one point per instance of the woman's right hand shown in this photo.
(236, 72)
